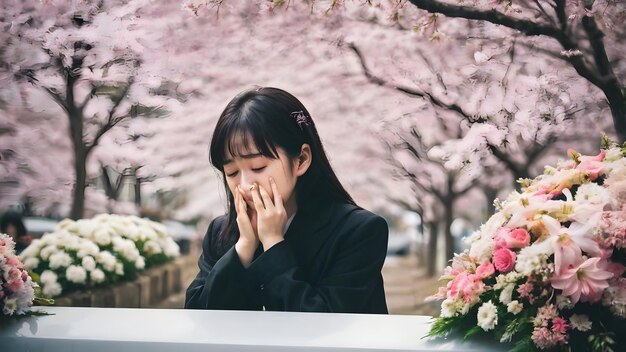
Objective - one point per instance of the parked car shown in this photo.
(37, 226)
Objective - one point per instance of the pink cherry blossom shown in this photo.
(585, 282)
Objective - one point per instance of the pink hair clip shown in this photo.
(301, 118)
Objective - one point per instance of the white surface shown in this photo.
(101, 329)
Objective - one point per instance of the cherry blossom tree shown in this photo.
(88, 57)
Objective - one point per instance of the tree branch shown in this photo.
(409, 91)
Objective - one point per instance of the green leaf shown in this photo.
(471, 332)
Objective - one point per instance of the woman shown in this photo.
(11, 224)
(293, 239)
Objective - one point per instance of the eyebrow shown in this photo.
(244, 156)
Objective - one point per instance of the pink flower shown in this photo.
(504, 260)
(485, 269)
(526, 291)
(568, 243)
(559, 325)
(500, 237)
(15, 285)
(585, 282)
(518, 238)
(466, 286)
(592, 166)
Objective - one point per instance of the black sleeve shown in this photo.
(221, 283)
(353, 276)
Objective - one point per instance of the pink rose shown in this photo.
(504, 260)
(518, 238)
(485, 269)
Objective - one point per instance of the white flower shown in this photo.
(102, 236)
(86, 227)
(97, 276)
(448, 308)
(563, 302)
(507, 294)
(31, 263)
(487, 316)
(482, 249)
(140, 263)
(152, 248)
(593, 193)
(60, 259)
(119, 269)
(48, 276)
(10, 305)
(107, 260)
(613, 154)
(171, 249)
(89, 263)
(76, 274)
(514, 307)
(47, 251)
(87, 248)
(52, 289)
(580, 322)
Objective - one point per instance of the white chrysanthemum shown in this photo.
(448, 308)
(126, 248)
(140, 263)
(52, 289)
(152, 248)
(86, 227)
(97, 276)
(119, 269)
(31, 263)
(506, 296)
(48, 276)
(593, 193)
(487, 316)
(47, 251)
(514, 307)
(32, 250)
(102, 236)
(89, 263)
(580, 322)
(76, 274)
(60, 259)
(87, 248)
(107, 260)
(170, 248)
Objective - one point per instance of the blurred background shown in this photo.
(109, 106)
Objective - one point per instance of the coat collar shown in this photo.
(309, 229)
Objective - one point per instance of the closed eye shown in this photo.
(258, 169)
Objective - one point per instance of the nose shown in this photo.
(246, 182)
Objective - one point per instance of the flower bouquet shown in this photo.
(546, 272)
(17, 289)
(96, 252)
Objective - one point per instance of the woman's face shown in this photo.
(251, 167)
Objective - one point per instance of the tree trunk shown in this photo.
(449, 217)
(80, 170)
(617, 102)
(433, 236)
(490, 195)
(137, 191)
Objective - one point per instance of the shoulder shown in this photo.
(213, 230)
(351, 216)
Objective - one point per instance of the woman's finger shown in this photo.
(278, 200)
(267, 201)
(256, 198)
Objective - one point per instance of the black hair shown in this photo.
(15, 219)
(272, 118)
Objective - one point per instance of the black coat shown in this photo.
(330, 261)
